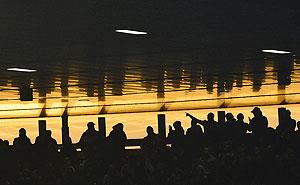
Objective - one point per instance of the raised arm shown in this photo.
(194, 118)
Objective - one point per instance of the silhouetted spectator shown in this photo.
(152, 142)
(51, 143)
(229, 129)
(241, 126)
(176, 137)
(286, 125)
(259, 123)
(22, 144)
(211, 127)
(117, 139)
(40, 144)
(194, 137)
(291, 123)
(195, 131)
(90, 138)
(68, 148)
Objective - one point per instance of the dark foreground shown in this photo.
(244, 161)
(226, 153)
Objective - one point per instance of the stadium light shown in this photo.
(132, 32)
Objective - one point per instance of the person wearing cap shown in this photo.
(89, 138)
(259, 123)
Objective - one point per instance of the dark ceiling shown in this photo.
(36, 30)
(78, 37)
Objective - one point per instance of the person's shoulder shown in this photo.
(265, 119)
(16, 139)
(96, 133)
(84, 134)
(124, 135)
(53, 141)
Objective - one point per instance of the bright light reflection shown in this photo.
(21, 70)
(132, 32)
(274, 51)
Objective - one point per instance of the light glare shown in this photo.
(132, 32)
(274, 51)
(21, 70)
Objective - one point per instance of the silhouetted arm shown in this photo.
(194, 118)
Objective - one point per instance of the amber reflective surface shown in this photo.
(134, 89)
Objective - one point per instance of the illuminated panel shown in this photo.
(191, 100)
(20, 109)
(88, 106)
(55, 108)
(266, 96)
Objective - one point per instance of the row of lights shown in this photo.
(135, 32)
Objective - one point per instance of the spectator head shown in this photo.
(210, 116)
(118, 127)
(91, 125)
(177, 124)
(256, 111)
(48, 133)
(121, 126)
(150, 130)
(240, 117)
(22, 132)
(229, 117)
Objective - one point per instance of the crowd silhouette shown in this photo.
(232, 151)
